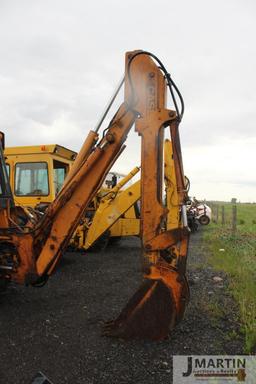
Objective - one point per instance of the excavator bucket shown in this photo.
(153, 311)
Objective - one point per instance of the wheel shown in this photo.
(204, 220)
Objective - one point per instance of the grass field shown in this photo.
(235, 253)
(246, 215)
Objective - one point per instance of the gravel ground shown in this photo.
(57, 329)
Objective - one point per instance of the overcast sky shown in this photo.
(61, 60)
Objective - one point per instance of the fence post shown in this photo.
(217, 213)
(214, 213)
(223, 215)
(234, 218)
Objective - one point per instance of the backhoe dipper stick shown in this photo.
(160, 301)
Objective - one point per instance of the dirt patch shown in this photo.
(57, 328)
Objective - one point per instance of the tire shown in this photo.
(204, 220)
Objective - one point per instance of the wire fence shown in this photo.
(225, 215)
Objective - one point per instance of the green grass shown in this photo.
(246, 215)
(239, 262)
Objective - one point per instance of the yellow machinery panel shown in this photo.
(125, 227)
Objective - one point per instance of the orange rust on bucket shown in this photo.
(154, 310)
(149, 314)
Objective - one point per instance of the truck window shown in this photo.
(31, 179)
(60, 170)
(3, 180)
(8, 169)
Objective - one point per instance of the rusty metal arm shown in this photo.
(160, 301)
(64, 214)
(39, 249)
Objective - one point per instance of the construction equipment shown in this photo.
(36, 173)
(118, 212)
(198, 212)
(203, 212)
(31, 245)
(116, 215)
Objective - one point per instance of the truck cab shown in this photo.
(36, 173)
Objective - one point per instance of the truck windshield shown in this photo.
(31, 179)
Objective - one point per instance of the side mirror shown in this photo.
(2, 140)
